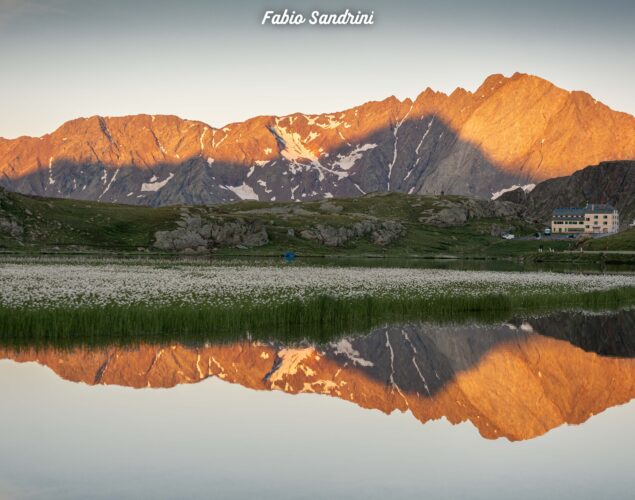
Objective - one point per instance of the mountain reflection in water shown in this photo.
(516, 380)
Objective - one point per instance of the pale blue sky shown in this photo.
(214, 439)
(213, 61)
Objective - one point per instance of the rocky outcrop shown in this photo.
(10, 226)
(197, 233)
(380, 233)
(455, 212)
(510, 131)
(518, 196)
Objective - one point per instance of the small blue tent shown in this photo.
(289, 256)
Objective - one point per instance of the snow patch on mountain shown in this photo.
(293, 150)
(345, 347)
(244, 192)
(331, 121)
(424, 138)
(339, 132)
(331, 124)
(396, 149)
(527, 188)
(155, 185)
(425, 134)
(160, 145)
(217, 145)
(346, 162)
(200, 139)
(312, 136)
(109, 184)
(51, 180)
(263, 184)
(290, 361)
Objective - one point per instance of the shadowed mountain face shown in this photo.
(609, 182)
(515, 130)
(509, 380)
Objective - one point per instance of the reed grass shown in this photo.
(318, 319)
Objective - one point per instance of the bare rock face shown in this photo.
(518, 196)
(198, 234)
(451, 216)
(458, 212)
(9, 225)
(387, 232)
(610, 182)
(330, 208)
(380, 233)
(511, 131)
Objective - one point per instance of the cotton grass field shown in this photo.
(127, 301)
(77, 285)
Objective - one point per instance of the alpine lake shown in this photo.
(315, 379)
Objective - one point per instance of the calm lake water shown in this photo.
(530, 408)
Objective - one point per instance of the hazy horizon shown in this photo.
(215, 62)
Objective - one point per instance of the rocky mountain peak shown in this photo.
(511, 130)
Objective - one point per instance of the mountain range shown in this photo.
(512, 131)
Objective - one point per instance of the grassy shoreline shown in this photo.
(319, 318)
(127, 302)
